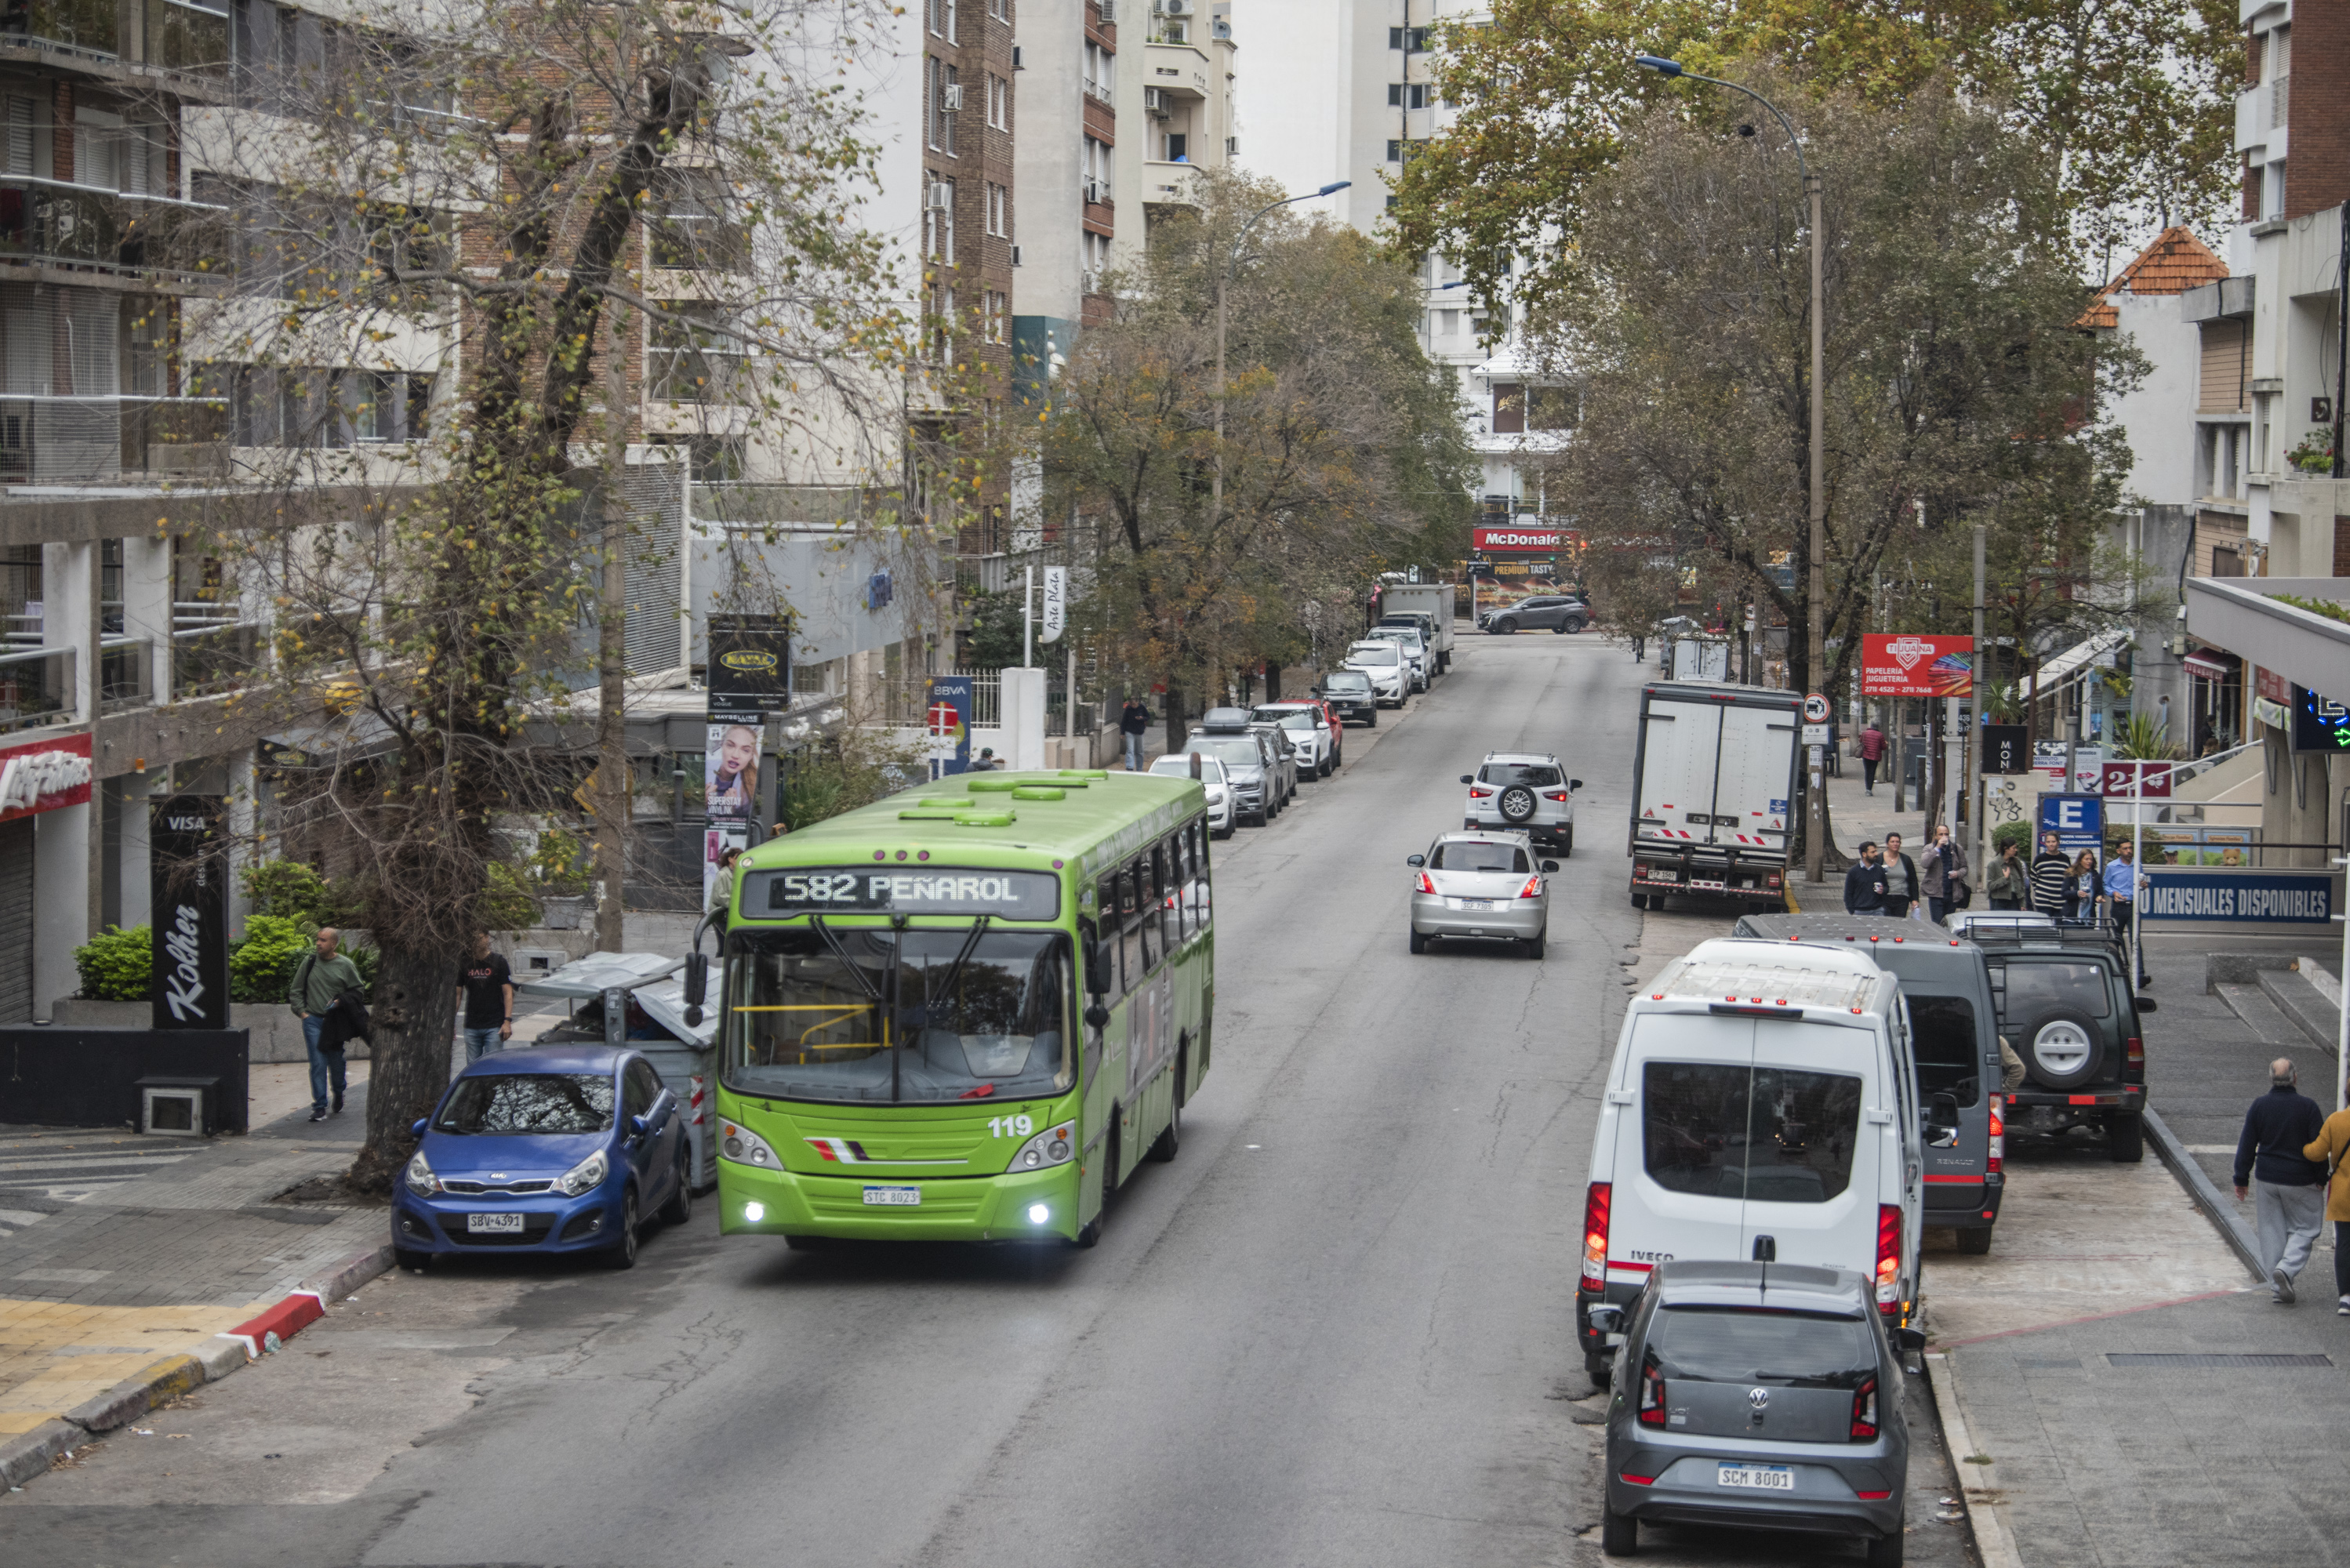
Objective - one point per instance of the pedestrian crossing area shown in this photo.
(73, 1167)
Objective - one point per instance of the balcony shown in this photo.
(1166, 184)
(2262, 114)
(66, 441)
(1177, 69)
(213, 660)
(37, 687)
(125, 669)
(184, 37)
(85, 228)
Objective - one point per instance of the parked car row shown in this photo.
(1253, 759)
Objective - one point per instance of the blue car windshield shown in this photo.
(505, 1104)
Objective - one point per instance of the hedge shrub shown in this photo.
(261, 966)
(117, 965)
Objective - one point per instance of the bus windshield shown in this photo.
(917, 1016)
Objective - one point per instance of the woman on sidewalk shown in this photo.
(2010, 882)
(2083, 885)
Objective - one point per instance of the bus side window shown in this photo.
(1168, 859)
(1100, 961)
(1129, 925)
(1145, 909)
(1202, 914)
(1179, 904)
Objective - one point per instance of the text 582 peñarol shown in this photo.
(941, 890)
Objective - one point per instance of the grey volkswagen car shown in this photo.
(1482, 885)
(1758, 1395)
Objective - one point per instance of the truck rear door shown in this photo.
(1680, 739)
(1750, 795)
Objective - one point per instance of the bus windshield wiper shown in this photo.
(962, 954)
(856, 969)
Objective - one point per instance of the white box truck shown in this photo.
(1714, 793)
(1434, 600)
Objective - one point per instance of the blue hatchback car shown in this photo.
(560, 1148)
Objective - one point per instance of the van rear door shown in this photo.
(1812, 1154)
(1679, 1176)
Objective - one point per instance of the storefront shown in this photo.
(44, 835)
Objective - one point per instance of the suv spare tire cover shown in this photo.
(1517, 803)
(2064, 1047)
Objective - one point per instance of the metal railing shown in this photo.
(126, 674)
(184, 37)
(37, 687)
(209, 661)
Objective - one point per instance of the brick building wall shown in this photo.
(2317, 170)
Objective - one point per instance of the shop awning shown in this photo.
(2074, 659)
(2203, 667)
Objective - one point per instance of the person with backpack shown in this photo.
(322, 978)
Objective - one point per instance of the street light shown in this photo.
(1223, 276)
(1815, 796)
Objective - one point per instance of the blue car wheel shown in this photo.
(622, 1252)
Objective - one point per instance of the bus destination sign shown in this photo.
(945, 890)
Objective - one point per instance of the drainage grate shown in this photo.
(2160, 1358)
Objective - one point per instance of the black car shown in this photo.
(2067, 1008)
(1349, 692)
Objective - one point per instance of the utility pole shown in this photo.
(1815, 811)
(1975, 801)
(611, 798)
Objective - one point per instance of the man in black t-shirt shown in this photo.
(486, 985)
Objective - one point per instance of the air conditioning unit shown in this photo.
(1154, 102)
(1174, 7)
(950, 97)
(939, 196)
(1097, 191)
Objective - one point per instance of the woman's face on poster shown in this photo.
(738, 750)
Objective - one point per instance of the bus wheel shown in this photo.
(1163, 1146)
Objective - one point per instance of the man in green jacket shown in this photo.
(319, 980)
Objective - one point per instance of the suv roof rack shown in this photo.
(2062, 937)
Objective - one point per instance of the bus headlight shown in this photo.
(1054, 1145)
(743, 1147)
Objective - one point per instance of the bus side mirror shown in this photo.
(697, 983)
(1096, 1016)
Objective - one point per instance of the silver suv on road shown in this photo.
(1523, 791)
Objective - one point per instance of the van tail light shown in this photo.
(1532, 889)
(1426, 884)
(1652, 1393)
(1998, 1132)
(1889, 1258)
(1864, 1411)
(1594, 1235)
(2136, 1052)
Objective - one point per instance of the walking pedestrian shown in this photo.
(1871, 752)
(2289, 1196)
(2123, 879)
(487, 990)
(2083, 887)
(1945, 879)
(319, 981)
(1133, 720)
(2009, 885)
(721, 898)
(2331, 1148)
(1901, 880)
(1864, 883)
(2049, 877)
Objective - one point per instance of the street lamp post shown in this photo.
(1815, 795)
(1223, 276)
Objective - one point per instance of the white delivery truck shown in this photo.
(1714, 785)
(1433, 600)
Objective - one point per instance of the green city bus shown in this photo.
(966, 1012)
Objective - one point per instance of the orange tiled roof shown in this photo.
(2176, 261)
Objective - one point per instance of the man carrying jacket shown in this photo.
(318, 980)
(1864, 883)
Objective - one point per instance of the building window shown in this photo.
(999, 211)
(997, 327)
(999, 102)
(949, 95)
(691, 358)
(935, 15)
(1095, 171)
(1411, 40)
(950, 22)
(1178, 148)
(933, 83)
(938, 221)
(1408, 95)
(1000, 9)
(1101, 73)
(1397, 151)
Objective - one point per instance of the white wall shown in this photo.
(2156, 415)
(1047, 107)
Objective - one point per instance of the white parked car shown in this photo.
(1407, 638)
(1763, 1105)
(1388, 666)
(1307, 725)
(1212, 778)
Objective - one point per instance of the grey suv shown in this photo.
(1540, 612)
(1523, 791)
(1756, 1396)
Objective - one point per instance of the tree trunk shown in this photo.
(413, 1033)
(1171, 711)
(1272, 680)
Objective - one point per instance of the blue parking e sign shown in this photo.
(2078, 821)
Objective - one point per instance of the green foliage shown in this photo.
(509, 903)
(2327, 607)
(995, 630)
(2313, 454)
(2017, 833)
(2142, 735)
(117, 965)
(857, 768)
(559, 867)
(290, 891)
(261, 964)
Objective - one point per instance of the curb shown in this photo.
(29, 1454)
(1993, 1546)
(2207, 1197)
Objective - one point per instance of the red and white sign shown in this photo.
(1906, 664)
(1544, 539)
(2118, 783)
(43, 775)
(2271, 685)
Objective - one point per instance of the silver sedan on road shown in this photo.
(1482, 885)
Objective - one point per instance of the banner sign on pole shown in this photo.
(1905, 664)
(187, 839)
(2006, 749)
(2121, 781)
(750, 667)
(2078, 821)
(1056, 603)
(2239, 898)
(1519, 538)
(749, 677)
(946, 716)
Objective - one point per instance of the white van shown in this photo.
(1761, 1104)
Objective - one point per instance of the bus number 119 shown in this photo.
(1010, 1127)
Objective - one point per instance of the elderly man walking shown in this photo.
(2289, 1198)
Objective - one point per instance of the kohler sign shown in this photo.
(188, 849)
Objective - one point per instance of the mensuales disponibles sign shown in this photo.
(2239, 897)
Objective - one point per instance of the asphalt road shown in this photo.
(1337, 1330)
